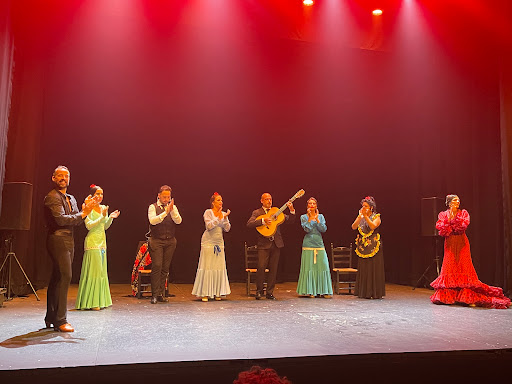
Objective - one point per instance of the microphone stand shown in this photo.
(435, 262)
(10, 256)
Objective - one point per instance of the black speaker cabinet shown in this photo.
(16, 208)
(430, 208)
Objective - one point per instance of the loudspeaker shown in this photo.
(430, 208)
(16, 206)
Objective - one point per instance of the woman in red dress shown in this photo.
(458, 281)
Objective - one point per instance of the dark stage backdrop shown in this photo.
(242, 103)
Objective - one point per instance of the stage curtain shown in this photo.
(6, 70)
(506, 154)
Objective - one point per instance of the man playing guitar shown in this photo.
(269, 247)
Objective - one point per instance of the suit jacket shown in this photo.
(264, 242)
(57, 212)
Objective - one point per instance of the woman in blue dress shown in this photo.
(212, 276)
(315, 274)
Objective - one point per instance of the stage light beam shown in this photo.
(377, 12)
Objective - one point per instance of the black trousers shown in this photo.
(267, 258)
(62, 250)
(161, 252)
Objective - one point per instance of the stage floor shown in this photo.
(186, 329)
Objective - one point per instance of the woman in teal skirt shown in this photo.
(93, 289)
(315, 274)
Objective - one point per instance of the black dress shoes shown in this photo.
(162, 299)
(153, 300)
(271, 297)
(48, 324)
(258, 296)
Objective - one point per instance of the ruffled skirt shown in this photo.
(370, 278)
(212, 275)
(93, 288)
(458, 281)
(315, 275)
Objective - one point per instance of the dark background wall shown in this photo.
(259, 96)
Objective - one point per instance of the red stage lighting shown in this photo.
(377, 12)
(308, 2)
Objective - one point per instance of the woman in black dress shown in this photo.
(370, 283)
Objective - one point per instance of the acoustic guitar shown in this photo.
(277, 217)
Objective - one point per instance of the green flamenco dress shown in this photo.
(93, 289)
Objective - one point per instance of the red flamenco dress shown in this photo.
(458, 281)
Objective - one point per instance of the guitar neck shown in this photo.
(281, 210)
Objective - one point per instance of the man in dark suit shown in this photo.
(269, 248)
(62, 215)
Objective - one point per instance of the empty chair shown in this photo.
(251, 266)
(341, 258)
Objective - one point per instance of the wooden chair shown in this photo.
(144, 280)
(145, 286)
(341, 259)
(2, 296)
(251, 267)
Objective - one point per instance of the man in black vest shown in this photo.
(269, 248)
(163, 217)
(61, 215)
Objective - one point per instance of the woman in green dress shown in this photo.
(93, 289)
(315, 274)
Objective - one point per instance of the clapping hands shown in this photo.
(115, 214)
(89, 204)
(313, 214)
(169, 207)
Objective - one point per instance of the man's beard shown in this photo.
(60, 185)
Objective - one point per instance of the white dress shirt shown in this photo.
(155, 219)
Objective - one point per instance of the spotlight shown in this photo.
(377, 12)
(308, 2)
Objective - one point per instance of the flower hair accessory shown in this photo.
(92, 185)
(215, 194)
